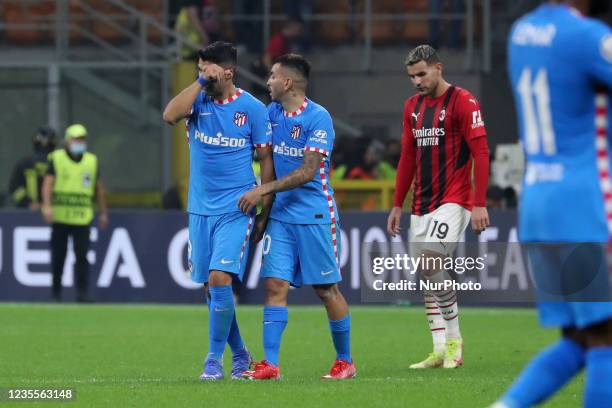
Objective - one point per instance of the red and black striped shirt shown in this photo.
(441, 137)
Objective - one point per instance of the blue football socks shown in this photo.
(546, 374)
(274, 323)
(341, 335)
(222, 314)
(598, 386)
(234, 338)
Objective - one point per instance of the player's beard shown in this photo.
(424, 90)
(429, 90)
(212, 88)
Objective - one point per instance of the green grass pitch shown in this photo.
(149, 356)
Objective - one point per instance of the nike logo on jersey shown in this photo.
(205, 113)
(473, 101)
(275, 124)
(226, 261)
(326, 273)
(416, 116)
(218, 309)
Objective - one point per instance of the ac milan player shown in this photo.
(443, 134)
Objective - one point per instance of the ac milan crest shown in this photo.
(240, 118)
(296, 131)
(442, 115)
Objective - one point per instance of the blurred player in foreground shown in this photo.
(302, 239)
(560, 66)
(443, 134)
(224, 125)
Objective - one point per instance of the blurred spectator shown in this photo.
(340, 157)
(302, 8)
(495, 197)
(69, 188)
(371, 166)
(186, 18)
(453, 37)
(211, 21)
(355, 153)
(26, 179)
(248, 33)
(285, 41)
(393, 151)
(510, 197)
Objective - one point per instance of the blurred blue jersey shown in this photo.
(309, 128)
(222, 135)
(560, 66)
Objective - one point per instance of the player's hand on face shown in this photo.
(480, 219)
(249, 200)
(393, 221)
(261, 222)
(213, 72)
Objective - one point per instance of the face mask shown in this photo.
(77, 149)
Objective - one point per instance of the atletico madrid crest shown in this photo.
(296, 131)
(240, 118)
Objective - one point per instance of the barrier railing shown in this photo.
(366, 195)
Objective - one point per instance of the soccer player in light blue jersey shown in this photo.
(560, 66)
(224, 125)
(302, 239)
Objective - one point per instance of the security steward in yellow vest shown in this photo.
(26, 179)
(70, 185)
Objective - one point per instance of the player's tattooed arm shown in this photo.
(297, 178)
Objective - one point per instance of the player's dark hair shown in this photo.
(296, 62)
(220, 52)
(425, 53)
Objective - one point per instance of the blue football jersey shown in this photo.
(309, 128)
(560, 67)
(222, 136)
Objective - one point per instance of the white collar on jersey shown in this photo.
(298, 111)
(230, 99)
